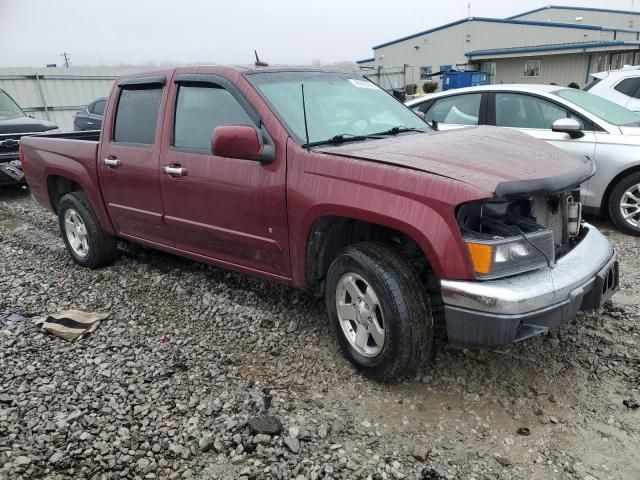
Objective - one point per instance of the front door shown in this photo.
(229, 210)
(128, 162)
(535, 116)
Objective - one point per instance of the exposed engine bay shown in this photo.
(520, 233)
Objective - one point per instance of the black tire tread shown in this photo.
(410, 299)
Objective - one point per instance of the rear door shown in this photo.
(128, 164)
(228, 210)
(454, 111)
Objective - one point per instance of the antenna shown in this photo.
(259, 63)
(469, 10)
(304, 113)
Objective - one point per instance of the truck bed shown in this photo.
(69, 155)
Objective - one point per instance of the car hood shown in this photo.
(25, 125)
(498, 160)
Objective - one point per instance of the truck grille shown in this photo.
(551, 212)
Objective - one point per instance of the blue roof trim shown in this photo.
(365, 60)
(508, 21)
(583, 9)
(550, 48)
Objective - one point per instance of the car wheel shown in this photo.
(88, 244)
(624, 204)
(379, 311)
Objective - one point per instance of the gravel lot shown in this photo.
(170, 385)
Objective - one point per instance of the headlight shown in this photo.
(502, 257)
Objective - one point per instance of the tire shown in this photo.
(620, 195)
(86, 242)
(392, 298)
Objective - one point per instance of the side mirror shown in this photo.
(569, 126)
(240, 141)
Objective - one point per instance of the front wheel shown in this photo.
(624, 204)
(379, 311)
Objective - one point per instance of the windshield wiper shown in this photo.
(341, 138)
(400, 129)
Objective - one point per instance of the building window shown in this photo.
(426, 72)
(532, 68)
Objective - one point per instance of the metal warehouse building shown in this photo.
(553, 44)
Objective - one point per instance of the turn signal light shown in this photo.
(481, 257)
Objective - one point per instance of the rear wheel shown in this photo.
(624, 204)
(88, 244)
(379, 311)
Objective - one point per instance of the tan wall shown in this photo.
(558, 69)
(448, 46)
(617, 20)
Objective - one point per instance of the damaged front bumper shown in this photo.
(482, 314)
(11, 173)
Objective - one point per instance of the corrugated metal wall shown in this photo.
(588, 17)
(449, 45)
(57, 93)
(558, 69)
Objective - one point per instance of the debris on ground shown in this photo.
(7, 317)
(71, 325)
(524, 431)
(266, 424)
(631, 403)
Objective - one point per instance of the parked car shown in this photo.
(620, 86)
(321, 180)
(573, 120)
(14, 123)
(90, 117)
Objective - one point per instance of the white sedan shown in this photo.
(573, 120)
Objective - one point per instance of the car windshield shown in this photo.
(338, 106)
(606, 110)
(8, 108)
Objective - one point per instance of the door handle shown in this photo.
(175, 171)
(112, 162)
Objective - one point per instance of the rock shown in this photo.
(265, 424)
(421, 453)
(292, 444)
(142, 466)
(429, 473)
(21, 461)
(631, 403)
(7, 399)
(502, 460)
(262, 438)
(292, 327)
(206, 443)
(524, 431)
(188, 473)
(294, 432)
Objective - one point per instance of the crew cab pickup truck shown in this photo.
(322, 181)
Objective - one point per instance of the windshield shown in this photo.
(8, 108)
(337, 105)
(606, 110)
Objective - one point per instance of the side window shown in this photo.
(629, 87)
(98, 107)
(137, 115)
(456, 110)
(199, 110)
(525, 111)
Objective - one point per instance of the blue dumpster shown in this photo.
(457, 79)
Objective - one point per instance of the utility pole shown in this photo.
(67, 58)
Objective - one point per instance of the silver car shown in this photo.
(573, 120)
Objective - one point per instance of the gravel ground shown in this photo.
(170, 386)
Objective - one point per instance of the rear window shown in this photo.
(628, 87)
(137, 115)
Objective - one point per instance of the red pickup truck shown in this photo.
(321, 180)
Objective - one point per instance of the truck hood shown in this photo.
(498, 160)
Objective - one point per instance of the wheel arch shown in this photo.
(604, 205)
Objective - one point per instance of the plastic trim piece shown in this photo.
(155, 81)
